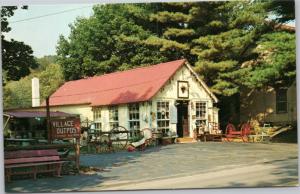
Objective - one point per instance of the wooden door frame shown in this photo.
(180, 101)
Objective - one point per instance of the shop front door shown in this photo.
(182, 119)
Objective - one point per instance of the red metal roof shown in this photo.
(32, 114)
(135, 85)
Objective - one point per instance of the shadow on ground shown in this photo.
(177, 160)
(80, 182)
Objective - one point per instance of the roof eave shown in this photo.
(202, 83)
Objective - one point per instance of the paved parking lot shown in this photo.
(174, 162)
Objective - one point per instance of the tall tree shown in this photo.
(250, 53)
(97, 44)
(225, 41)
(232, 59)
(17, 56)
(123, 36)
(221, 39)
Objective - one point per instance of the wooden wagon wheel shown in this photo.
(229, 127)
(119, 138)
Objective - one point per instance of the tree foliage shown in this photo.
(45, 61)
(224, 41)
(100, 44)
(240, 49)
(17, 57)
(18, 93)
(276, 62)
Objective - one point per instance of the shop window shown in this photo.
(113, 117)
(281, 101)
(97, 118)
(201, 113)
(134, 118)
(163, 119)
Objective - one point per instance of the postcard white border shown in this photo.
(290, 190)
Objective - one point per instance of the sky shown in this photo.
(42, 33)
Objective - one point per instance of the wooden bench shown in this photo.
(34, 160)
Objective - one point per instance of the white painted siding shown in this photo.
(196, 94)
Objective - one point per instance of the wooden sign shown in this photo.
(65, 128)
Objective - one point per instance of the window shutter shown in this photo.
(173, 114)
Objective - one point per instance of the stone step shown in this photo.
(185, 140)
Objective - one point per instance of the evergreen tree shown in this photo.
(231, 60)
(123, 36)
(221, 39)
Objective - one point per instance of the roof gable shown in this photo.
(135, 85)
(202, 83)
(197, 79)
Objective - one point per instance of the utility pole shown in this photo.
(48, 121)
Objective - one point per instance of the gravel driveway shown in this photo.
(170, 161)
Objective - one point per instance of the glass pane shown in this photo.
(281, 95)
(281, 107)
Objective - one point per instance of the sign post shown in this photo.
(48, 120)
(68, 128)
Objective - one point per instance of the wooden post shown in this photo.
(48, 121)
(77, 153)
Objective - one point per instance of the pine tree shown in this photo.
(222, 40)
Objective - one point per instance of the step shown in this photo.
(185, 140)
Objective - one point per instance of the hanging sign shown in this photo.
(65, 128)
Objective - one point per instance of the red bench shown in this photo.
(34, 160)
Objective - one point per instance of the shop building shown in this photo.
(169, 97)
